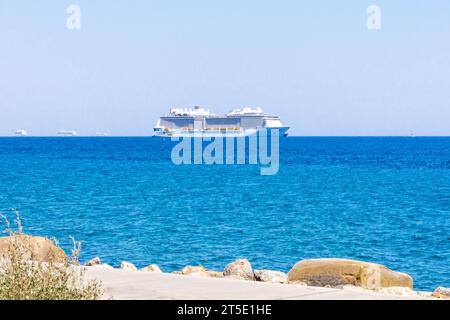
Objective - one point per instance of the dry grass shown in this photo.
(24, 277)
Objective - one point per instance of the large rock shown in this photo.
(338, 272)
(442, 292)
(240, 269)
(127, 266)
(36, 248)
(93, 262)
(152, 268)
(271, 276)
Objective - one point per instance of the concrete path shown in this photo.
(121, 284)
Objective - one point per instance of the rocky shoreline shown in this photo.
(342, 274)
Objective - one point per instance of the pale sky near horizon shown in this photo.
(314, 63)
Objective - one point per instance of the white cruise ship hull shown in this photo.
(215, 134)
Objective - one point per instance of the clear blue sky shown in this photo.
(314, 63)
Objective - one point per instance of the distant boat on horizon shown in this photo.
(21, 133)
(67, 133)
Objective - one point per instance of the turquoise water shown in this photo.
(385, 200)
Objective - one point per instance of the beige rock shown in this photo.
(193, 270)
(441, 292)
(93, 262)
(240, 269)
(152, 268)
(200, 271)
(127, 266)
(270, 276)
(39, 248)
(338, 272)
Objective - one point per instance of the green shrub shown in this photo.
(24, 277)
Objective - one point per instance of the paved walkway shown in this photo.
(120, 284)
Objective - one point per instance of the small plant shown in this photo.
(24, 275)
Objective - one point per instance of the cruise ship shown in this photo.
(197, 121)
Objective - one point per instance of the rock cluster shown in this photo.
(442, 292)
(344, 274)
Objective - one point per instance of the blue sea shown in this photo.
(384, 200)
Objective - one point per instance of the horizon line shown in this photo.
(290, 136)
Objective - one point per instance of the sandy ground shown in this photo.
(123, 284)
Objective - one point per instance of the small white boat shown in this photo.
(21, 133)
(66, 133)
